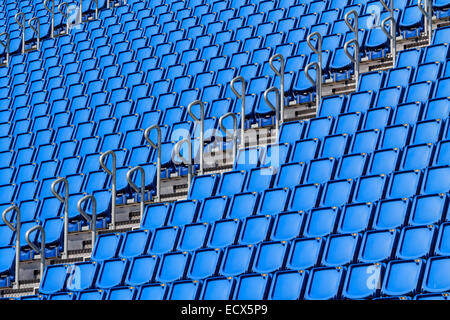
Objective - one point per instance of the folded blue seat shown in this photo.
(224, 233)
(324, 283)
(378, 245)
(218, 288)
(402, 277)
(355, 217)
(236, 260)
(204, 263)
(141, 270)
(363, 281)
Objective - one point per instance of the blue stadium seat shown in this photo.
(355, 217)
(363, 281)
(141, 270)
(204, 263)
(377, 245)
(324, 283)
(402, 277)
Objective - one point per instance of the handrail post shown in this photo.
(136, 188)
(316, 82)
(52, 13)
(275, 108)
(232, 135)
(6, 46)
(15, 229)
(280, 73)
(35, 248)
(80, 17)
(317, 50)
(37, 31)
(392, 36)
(158, 161)
(242, 97)
(66, 14)
(112, 173)
(355, 41)
(201, 121)
(188, 161)
(92, 220)
(389, 8)
(427, 11)
(96, 9)
(65, 201)
(22, 26)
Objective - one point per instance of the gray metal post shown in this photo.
(96, 9)
(355, 57)
(64, 200)
(388, 8)
(158, 161)
(232, 135)
(280, 73)
(6, 46)
(316, 82)
(15, 229)
(136, 188)
(427, 11)
(22, 26)
(112, 173)
(176, 153)
(52, 13)
(200, 121)
(93, 220)
(65, 14)
(392, 36)
(36, 30)
(242, 97)
(276, 108)
(317, 49)
(35, 248)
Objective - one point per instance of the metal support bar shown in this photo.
(188, 162)
(158, 161)
(65, 14)
(64, 200)
(15, 229)
(280, 73)
(317, 49)
(52, 13)
(22, 26)
(96, 9)
(136, 188)
(389, 8)
(200, 121)
(427, 11)
(80, 16)
(355, 41)
(6, 46)
(316, 82)
(92, 220)
(392, 36)
(36, 30)
(275, 108)
(232, 135)
(35, 248)
(113, 175)
(242, 97)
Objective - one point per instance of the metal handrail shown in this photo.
(227, 133)
(52, 13)
(276, 108)
(92, 220)
(6, 46)
(187, 162)
(36, 30)
(158, 161)
(113, 175)
(242, 98)
(389, 8)
(35, 248)
(136, 188)
(317, 50)
(427, 11)
(201, 121)
(392, 36)
(355, 41)
(279, 73)
(22, 26)
(65, 201)
(65, 14)
(15, 229)
(315, 82)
